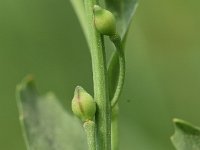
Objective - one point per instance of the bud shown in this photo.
(83, 104)
(104, 21)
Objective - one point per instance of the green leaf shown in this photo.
(123, 11)
(186, 137)
(46, 125)
(79, 8)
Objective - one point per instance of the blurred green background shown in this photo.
(43, 37)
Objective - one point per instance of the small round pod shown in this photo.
(83, 104)
(104, 21)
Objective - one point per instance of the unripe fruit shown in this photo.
(104, 21)
(83, 104)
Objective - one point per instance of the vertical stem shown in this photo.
(103, 115)
(115, 128)
(89, 127)
(116, 73)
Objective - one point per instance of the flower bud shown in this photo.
(104, 21)
(83, 104)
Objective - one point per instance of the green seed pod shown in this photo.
(83, 104)
(104, 21)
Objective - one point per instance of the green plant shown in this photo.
(48, 126)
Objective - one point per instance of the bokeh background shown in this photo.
(44, 38)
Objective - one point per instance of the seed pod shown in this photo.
(104, 21)
(83, 104)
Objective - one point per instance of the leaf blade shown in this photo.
(186, 136)
(46, 125)
(123, 11)
(79, 9)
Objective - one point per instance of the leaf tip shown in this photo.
(29, 80)
(177, 121)
(24, 89)
(26, 82)
(185, 127)
(181, 124)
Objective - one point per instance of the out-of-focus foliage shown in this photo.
(46, 125)
(163, 58)
(186, 136)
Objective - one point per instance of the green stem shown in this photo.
(116, 77)
(103, 115)
(89, 127)
(115, 128)
(120, 82)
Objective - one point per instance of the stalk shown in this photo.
(103, 115)
(115, 128)
(89, 127)
(118, 59)
(121, 58)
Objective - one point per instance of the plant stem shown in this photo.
(89, 127)
(116, 71)
(103, 115)
(115, 128)
(121, 58)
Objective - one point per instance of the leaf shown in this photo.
(123, 11)
(46, 125)
(186, 137)
(79, 8)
